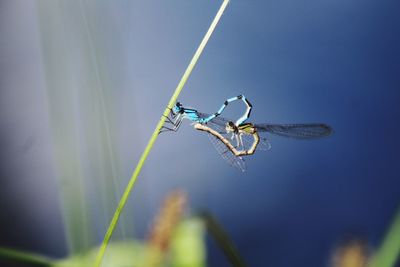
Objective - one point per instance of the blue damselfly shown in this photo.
(220, 130)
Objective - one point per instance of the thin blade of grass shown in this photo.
(154, 136)
(223, 240)
(26, 257)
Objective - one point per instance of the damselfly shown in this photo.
(220, 130)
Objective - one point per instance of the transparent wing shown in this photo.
(264, 144)
(226, 154)
(217, 124)
(220, 121)
(300, 131)
(248, 141)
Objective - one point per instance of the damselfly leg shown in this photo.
(227, 154)
(174, 119)
(237, 152)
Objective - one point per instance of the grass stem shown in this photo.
(154, 136)
(223, 240)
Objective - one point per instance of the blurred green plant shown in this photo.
(172, 241)
(222, 239)
(13, 255)
(187, 248)
(389, 252)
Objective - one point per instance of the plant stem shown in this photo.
(154, 136)
(21, 256)
(223, 240)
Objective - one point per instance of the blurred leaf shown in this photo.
(223, 240)
(22, 256)
(187, 249)
(188, 244)
(390, 249)
(119, 254)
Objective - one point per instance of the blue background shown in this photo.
(336, 62)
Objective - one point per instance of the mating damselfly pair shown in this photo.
(222, 131)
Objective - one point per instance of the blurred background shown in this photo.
(83, 84)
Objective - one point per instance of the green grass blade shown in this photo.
(223, 240)
(389, 251)
(154, 136)
(21, 256)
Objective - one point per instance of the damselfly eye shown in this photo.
(177, 108)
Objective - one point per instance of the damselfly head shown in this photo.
(230, 127)
(177, 108)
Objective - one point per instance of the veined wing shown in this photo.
(226, 154)
(218, 124)
(248, 141)
(299, 131)
(221, 121)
